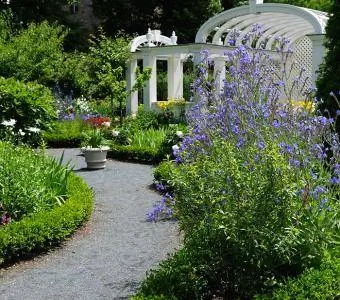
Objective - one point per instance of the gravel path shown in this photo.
(110, 255)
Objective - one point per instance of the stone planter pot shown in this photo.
(95, 158)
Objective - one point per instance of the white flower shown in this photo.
(9, 123)
(133, 116)
(20, 132)
(175, 148)
(106, 124)
(179, 134)
(115, 133)
(33, 129)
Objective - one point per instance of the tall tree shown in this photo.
(323, 5)
(329, 79)
(132, 16)
(186, 16)
(135, 16)
(28, 11)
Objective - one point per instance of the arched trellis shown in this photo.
(153, 38)
(141, 47)
(266, 14)
(304, 27)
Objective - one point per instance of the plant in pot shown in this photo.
(94, 148)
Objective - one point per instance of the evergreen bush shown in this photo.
(328, 81)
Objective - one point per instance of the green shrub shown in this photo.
(321, 283)
(65, 133)
(155, 143)
(48, 228)
(164, 173)
(236, 248)
(148, 138)
(189, 273)
(162, 86)
(29, 183)
(188, 79)
(6, 29)
(328, 76)
(34, 54)
(173, 137)
(135, 153)
(249, 212)
(31, 105)
(145, 119)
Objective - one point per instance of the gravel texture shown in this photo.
(110, 255)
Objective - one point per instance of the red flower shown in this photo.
(97, 121)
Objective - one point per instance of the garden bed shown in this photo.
(46, 229)
(42, 203)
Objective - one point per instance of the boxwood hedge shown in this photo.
(145, 155)
(45, 229)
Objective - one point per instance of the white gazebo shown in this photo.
(304, 27)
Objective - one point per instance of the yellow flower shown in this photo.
(304, 104)
(172, 102)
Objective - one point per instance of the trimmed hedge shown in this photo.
(65, 134)
(320, 283)
(136, 154)
(45, 229)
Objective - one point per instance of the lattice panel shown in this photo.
(303, 59)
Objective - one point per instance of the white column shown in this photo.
(150, 90)
(175, 77)
(132, 98)
(319, 51)
(219, 72)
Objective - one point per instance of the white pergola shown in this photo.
(304, 27)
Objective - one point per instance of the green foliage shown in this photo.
(320, 283)
(145, 133)
(328, 80)
(6, 29)
(27, 11)
(93, 138)
(106, 64)
(173, 137)
(164, 172)
(105, 69)
(252, 208)
(31, 105)
(242, 232)
(188, 273)
(34, 54)
(142, 14)
(47, 228)
(148, 138)
(188, 79)
(29, 183)
(162, 86)
(65, 133)
(101, 73)
(145, 154)
(54, 11)
(323, 5)
(150, 298)
(185, 17)
(144, 120)
(140, 145)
